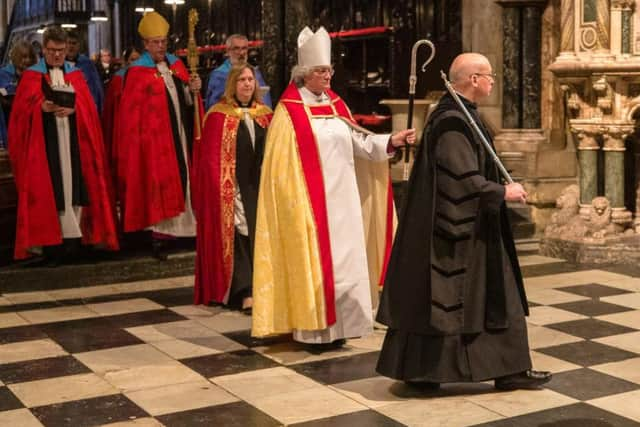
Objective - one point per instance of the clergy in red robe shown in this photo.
(228, 178)
(325, 213)
(154, 143)
(58, 159)
(113, 94)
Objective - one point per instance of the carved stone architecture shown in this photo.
(598, 70)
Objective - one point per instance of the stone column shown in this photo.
(4, 22)
(117, 34)
(567, 28)
(531, 65)
(297, 16)
(616, 27)
(604, 26)
(614, 148)
(273, 49)
(522, 32)
(627, 33)
(511, 69)
(588, 148)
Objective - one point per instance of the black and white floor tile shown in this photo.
(139, 354)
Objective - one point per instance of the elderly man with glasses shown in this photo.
(454, 299)
(325, 211)
(154, 141)
(238, 55)
(58, 159)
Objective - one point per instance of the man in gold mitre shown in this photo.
(154, 140)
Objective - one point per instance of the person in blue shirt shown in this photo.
(22, 56)
(237, 52)
(87, 66)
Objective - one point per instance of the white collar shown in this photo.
(309, 97)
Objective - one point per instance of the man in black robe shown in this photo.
(454, 299)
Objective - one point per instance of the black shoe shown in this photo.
(160, 250)
(327, 346)
(423, 385)
(527, 380)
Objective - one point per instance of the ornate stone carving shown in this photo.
(565, 221)
(586, 138)
(622, 4)
(600, 86)
(600, 224)
(614, 137)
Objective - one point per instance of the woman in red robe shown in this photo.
(227, 177)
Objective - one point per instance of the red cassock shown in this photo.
(109, 115)
(149, 184)
(38, 223)
(214, 200)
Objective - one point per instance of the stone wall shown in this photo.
(482, 33)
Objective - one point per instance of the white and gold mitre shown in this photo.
(314, 49)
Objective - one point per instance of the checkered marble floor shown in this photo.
(139, 354)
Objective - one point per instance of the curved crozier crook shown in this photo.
(414, 51)
(433, 54)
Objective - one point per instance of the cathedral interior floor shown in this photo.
(140, 354)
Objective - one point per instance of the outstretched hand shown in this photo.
(407, 136)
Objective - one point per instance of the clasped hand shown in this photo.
(195, 84)
(58, 111)
(515, 192)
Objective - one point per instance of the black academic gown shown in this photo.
(460, 315)
(248, 162)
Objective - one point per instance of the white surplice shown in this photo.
(183, 225)
(239, 216)
(70, 215)
(338, 143)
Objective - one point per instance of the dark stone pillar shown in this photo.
(626, 31)
(531, 67)
(511, 69)
(297, 16)
(521, 73)
(282, 21)
(273, 50)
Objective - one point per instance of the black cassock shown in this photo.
(453, 299)
(248, 162)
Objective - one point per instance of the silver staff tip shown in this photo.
(443, 75)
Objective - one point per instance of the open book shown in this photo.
(64, 96)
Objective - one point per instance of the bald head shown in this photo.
(466, 64)
(471, 75)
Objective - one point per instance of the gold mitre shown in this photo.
(314, 49)
(153, 25)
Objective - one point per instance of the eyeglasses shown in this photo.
(56, 51)
(324, 70)
(492, 76)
